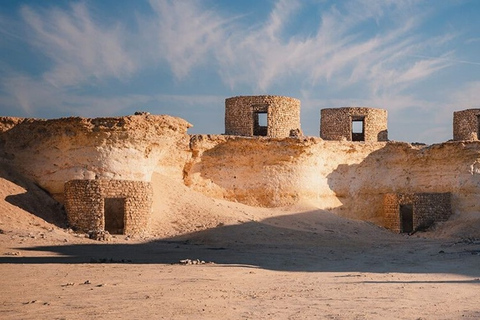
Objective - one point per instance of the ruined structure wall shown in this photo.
(427, 209)
(283, 115)
(431, 207)
(466, 124)
(84, 203)
(336, 123)
(344, 177)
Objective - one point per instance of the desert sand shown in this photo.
(295, 262)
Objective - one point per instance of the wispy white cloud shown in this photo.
(362, 52)
(279, 15)
(183, 33)
(29, 97)
(80, 48)
(186, 35)
(472, 40)
(24, 95)
(337, 55)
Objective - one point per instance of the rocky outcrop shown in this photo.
(51, 152)
(348, 178)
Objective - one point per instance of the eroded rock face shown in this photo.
(349, 178)
(51, 152)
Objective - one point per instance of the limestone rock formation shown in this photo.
(347, 178)
(51, 152)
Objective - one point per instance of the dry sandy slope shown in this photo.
(285, 263)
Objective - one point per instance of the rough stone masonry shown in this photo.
(337, 124)
(85, 203)
(242, 116)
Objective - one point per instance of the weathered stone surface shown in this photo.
(425, 210)
(466, 124)
(336, 123)
(51, 152)
(85, 204)
(347, 178)
(241, 116)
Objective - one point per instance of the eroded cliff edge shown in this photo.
(348, 178)
(52, 152)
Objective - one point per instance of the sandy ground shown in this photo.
(285, 263)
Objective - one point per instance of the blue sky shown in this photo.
(420, 60)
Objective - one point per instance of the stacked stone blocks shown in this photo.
(466, 124)
(428, 208)
(84, 203)
(336, 123)
(283, 115)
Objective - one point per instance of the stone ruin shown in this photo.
(124, 206)
(116, 206)
(354, 124)
(268, 116)
(466, 125)
(411, 212)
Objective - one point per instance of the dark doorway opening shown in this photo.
(406, 218)
(260, 123)
(358, 128)
(478, 127)
(114, 212)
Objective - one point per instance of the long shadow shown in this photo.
(279, 244)
(470, 281)
(35, 200)
(316, 241)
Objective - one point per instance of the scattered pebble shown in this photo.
(191, 262)
(105, 260)
(12, 253)
(69, 284)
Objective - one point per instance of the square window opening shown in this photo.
(262, 119)
(358, 129)
(478, 127)
(260, 123)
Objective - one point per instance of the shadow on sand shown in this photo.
(282, 243)
(34, 200)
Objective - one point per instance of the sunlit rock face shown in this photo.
(349, 178)
(345, 177)
(51, 152)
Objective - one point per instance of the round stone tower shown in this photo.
(466, 124)
(354, 124)
(270, 116)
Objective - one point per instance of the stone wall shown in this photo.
(466, 124)
(283, 115)
(336, 124)
(427, 208)
(85, 204)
